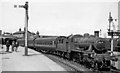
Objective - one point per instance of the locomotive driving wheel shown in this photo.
(95, 65)
(68, 56)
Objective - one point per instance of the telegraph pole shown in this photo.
(26, 25)
(110, 32)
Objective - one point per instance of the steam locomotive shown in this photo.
(90, 51)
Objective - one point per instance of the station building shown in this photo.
(21, 34)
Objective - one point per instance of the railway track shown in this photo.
(115, 71)
(72, 65)
(75, 67)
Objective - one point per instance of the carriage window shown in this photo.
(61, 41)
(51, 43)
(55, 42)
(117, 49)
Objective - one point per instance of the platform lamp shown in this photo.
(26, 25)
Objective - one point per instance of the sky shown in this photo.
(54, 17)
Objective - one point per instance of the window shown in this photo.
(61, 41)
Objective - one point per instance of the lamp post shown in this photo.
(26, 25)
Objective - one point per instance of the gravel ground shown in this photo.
(69, 66)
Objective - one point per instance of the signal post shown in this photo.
(26, 25)
(112, 33)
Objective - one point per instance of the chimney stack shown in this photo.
(96, 33)
(19, 29)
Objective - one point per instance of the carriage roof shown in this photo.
(51, 38)
(47, 38)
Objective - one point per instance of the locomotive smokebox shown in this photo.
(96, 33)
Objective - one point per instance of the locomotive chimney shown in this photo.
(96, 33)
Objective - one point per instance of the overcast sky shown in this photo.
(58, 17)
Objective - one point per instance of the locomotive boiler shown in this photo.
(99, 45)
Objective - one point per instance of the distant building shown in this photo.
(21, 34)
(7, 33)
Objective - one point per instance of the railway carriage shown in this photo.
(31, 42)
(21, 42)
(45, 44)
(61, 46)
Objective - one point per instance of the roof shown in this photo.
(21, 32)
(72, 36)
(62, 37)
(7, 36)
(45, 36)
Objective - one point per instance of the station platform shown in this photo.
(35, 61)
